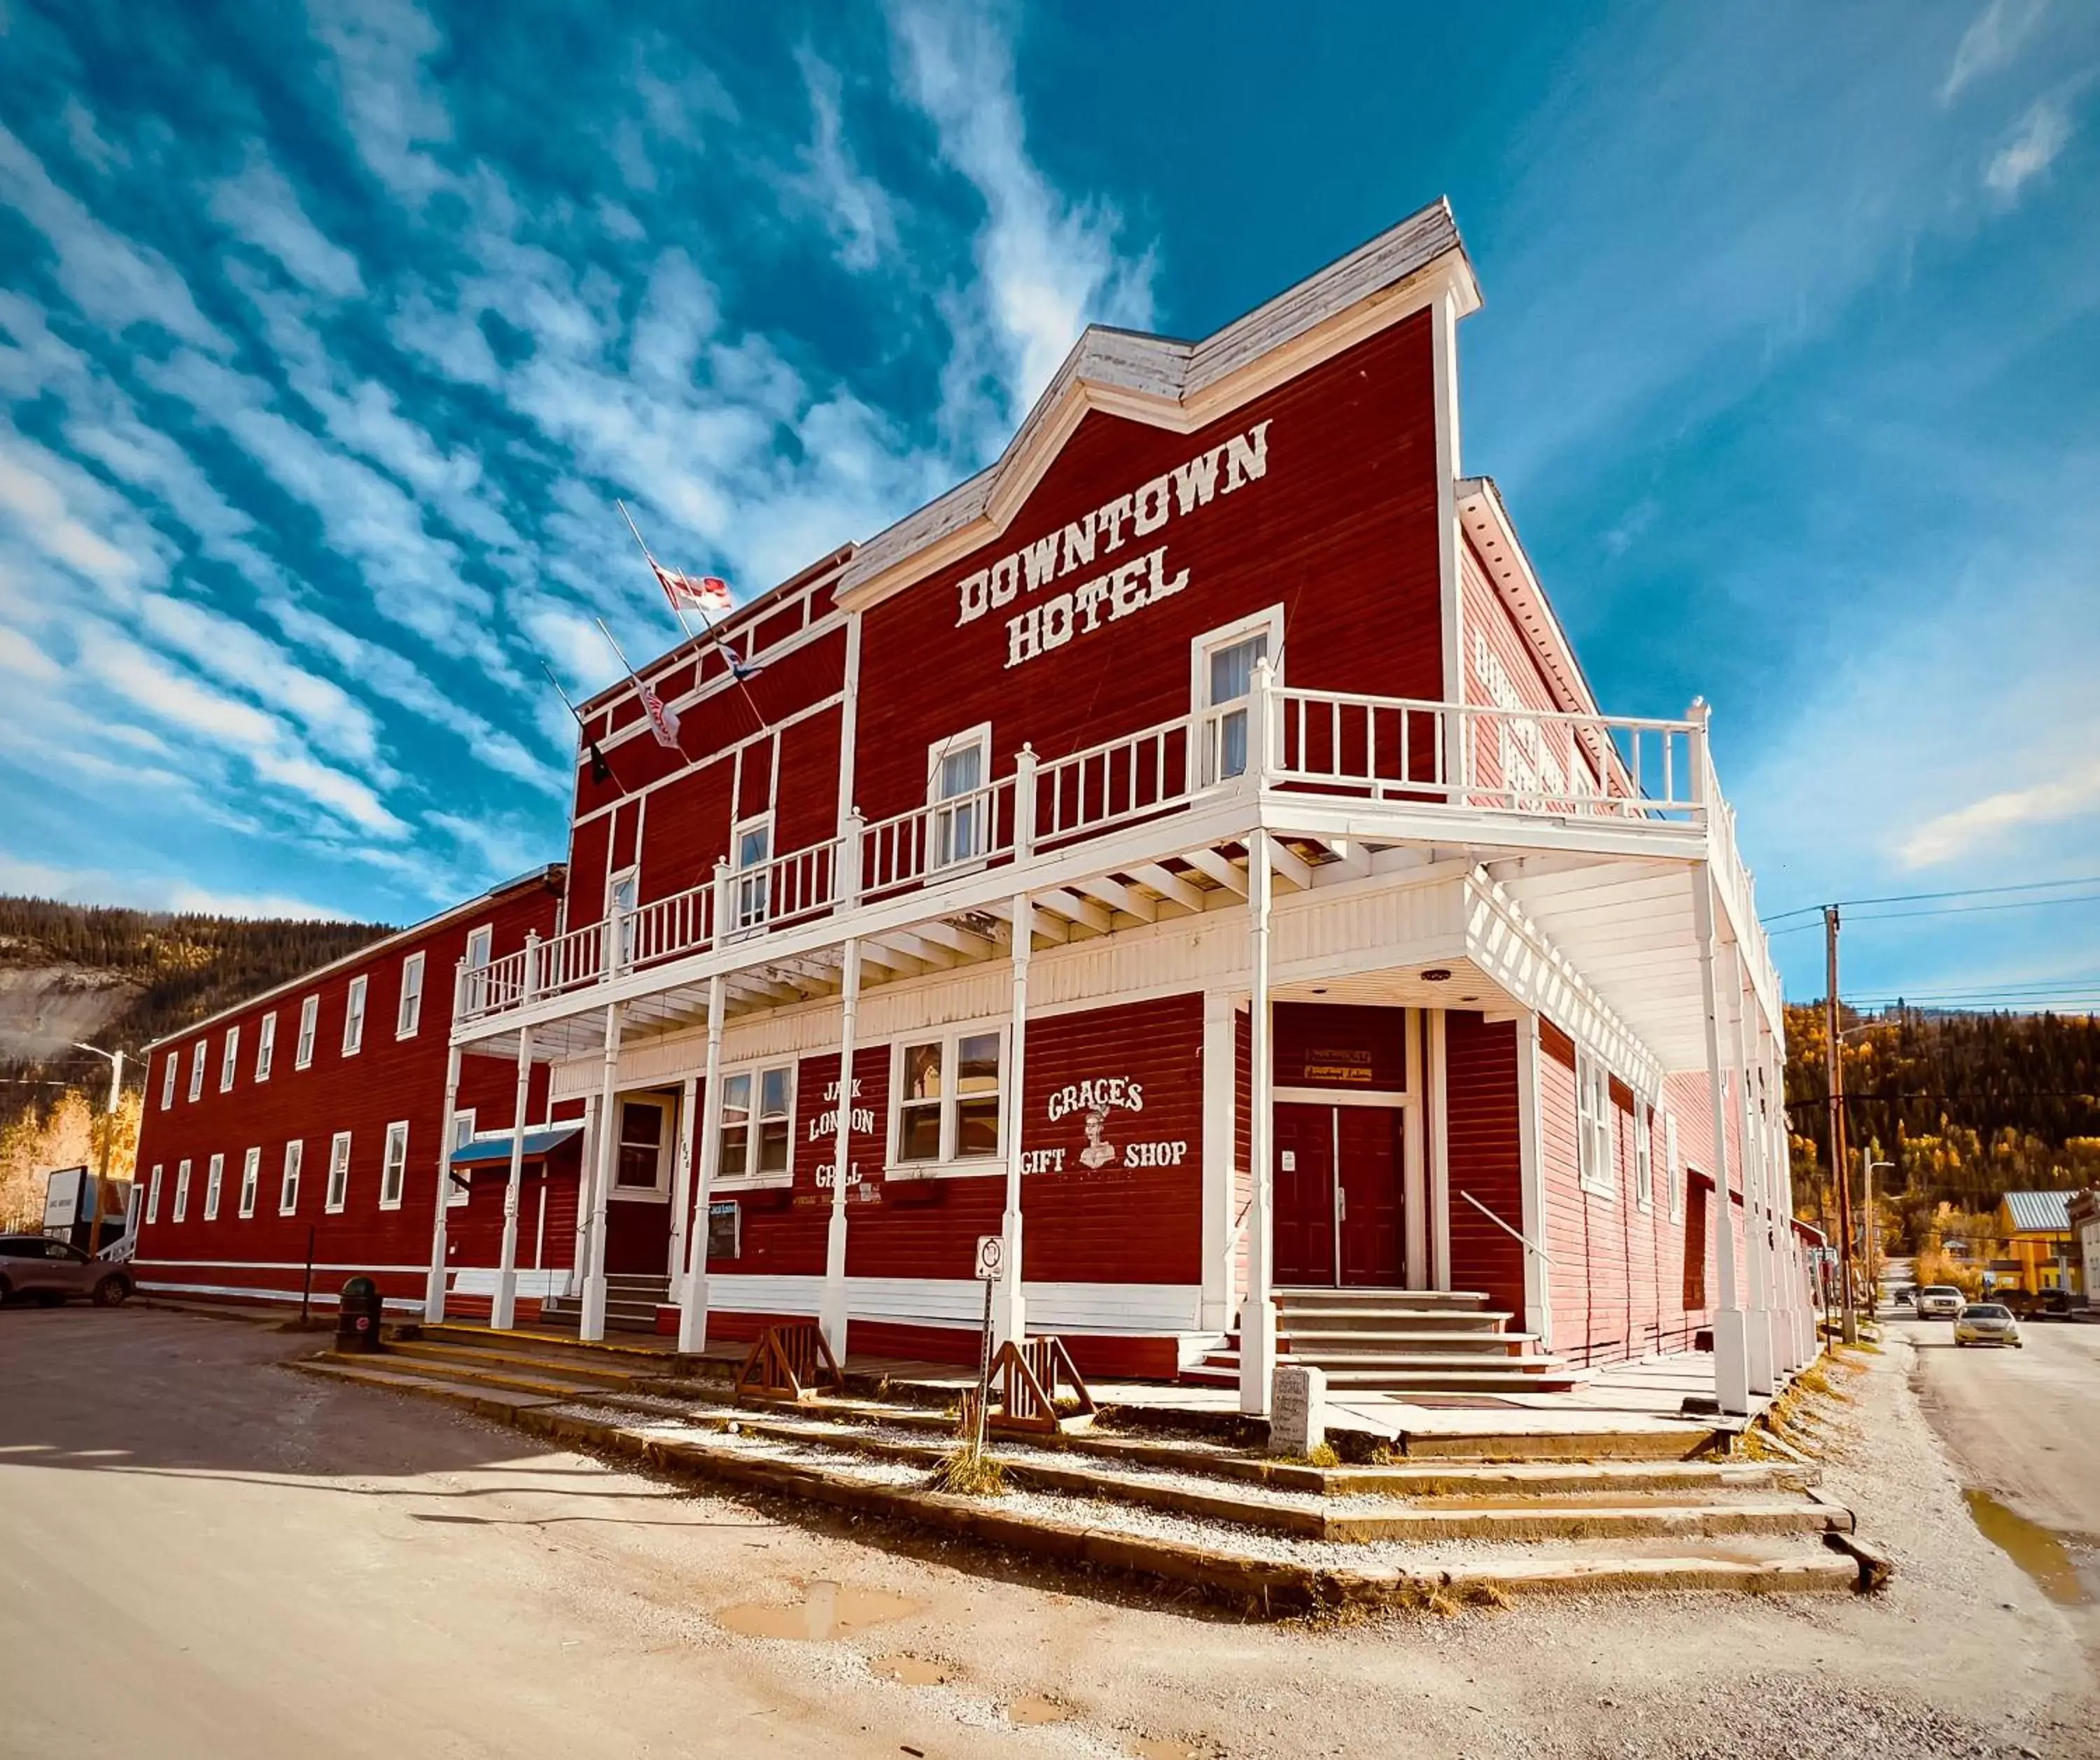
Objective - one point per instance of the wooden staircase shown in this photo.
(631, 1300)
(1400, 1341)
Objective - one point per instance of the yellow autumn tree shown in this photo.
(66, 1133)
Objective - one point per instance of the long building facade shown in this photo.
(1188, 851)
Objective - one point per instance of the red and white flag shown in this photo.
(663, 718)
(708, 595)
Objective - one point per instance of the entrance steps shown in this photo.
(1400, 1342)
(1184, 1507)
(632, 1298)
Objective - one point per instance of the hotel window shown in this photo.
(1672, 1166)
(182, 1189)
(229, 1059)
(353, 1016)
(215, 1177)
(265, 1045)
(251, 1176)
(753, 868)
(310, 1020)
(639, 1165)
(409, 1016)
(755, 1138)
(168, 1070)
(1223, 681)
(1595, 1137)
(196, 1071)
(620, 893)
(1643, 1156)
(339, 1181)
(948, 1098)
(955, 770)
(153, 1195)
(394, 1166)
(288, 1182)
(474, 980)
(458, 1190)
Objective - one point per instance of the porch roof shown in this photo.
(538, 1145)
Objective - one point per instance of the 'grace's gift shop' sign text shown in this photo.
(1140, 579)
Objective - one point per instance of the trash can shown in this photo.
(357, 1319)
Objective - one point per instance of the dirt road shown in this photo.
(201, 1554)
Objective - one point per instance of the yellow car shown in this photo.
(1987, 1323)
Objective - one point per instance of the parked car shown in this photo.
(1938, 1301)
(1987, 1323)
(2036, 1304)
(48, 1271)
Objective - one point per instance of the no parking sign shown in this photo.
(991, 1259)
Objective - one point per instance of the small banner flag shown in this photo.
(663, 718)
(708, 594)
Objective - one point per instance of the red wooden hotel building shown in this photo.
(1196, 838)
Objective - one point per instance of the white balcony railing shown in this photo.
(1318, 745)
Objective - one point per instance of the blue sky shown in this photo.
(328, 336)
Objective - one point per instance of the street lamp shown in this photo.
(115, 1059)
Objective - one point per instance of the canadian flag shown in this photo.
(706, 593)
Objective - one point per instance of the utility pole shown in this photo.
(116, 1061)
(1874, 1230)
(1834, 1064)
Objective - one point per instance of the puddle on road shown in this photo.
(913, 1671)
(1028, 1712)
(1148, 1747)
(826, 1611)
(2030, 1546)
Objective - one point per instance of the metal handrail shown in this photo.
(1528, 1246)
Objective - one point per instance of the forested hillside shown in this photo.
(1967, 1106)
(116, 978)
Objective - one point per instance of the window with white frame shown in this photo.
(265, 1045)
(251, 1176)
(353, 1016)
(1221, 684)
(955, 772)
(1643, 1156)
(393, 1166)
(644, 1137)
(622, 890)
(153, 1194)
(474, 980)
(408, 1017)
(196, 1071)
(1594, 1111)
(169, 1071)
(182, 1189)
(338, 1179)
(1672, 1166)
(287, 1181)
(310, 1022)
(947, 1089)
(750, 863)
(757, 1107)
(229, 1059)
(458, 1190)
(213, 1178)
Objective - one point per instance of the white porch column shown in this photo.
(1437, 1122)
(1009, 1305)
(586, 1163)
(503, 1311)
(1414, 1157)
(831, 1316)
(682, 1186)
(1757, 1234)
(1731, 1383)
(1531, 1175)
(1258, 1313)
(1220, 1142)
(434, 1287)
(607, 1146)
(693, 1298)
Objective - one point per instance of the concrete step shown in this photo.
(1460, 1322)
(1523, 1375)
(646, 1359)
(1357, 1295)
(508, 1377)
(1304, 1342)
(582, 1370)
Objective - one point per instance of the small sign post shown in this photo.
(991, 1268)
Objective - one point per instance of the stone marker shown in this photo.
(1297, 1410)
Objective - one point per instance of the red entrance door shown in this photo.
(1337, 1186)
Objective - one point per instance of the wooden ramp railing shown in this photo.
(788, 1362)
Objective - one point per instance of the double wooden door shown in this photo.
(1338, 1201)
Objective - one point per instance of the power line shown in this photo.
(1919, 898)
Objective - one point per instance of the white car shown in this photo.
(1940, 1301)
(1987, 1323)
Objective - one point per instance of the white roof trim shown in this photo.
(1509, 571)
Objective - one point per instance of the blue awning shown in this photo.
(485, 1150)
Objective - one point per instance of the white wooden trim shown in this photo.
(1220, 1060)
(1436, 1090)
(1141, 1310)
(1531, 1184)
(1342, 1097)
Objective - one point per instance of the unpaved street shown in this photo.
(258, 1565)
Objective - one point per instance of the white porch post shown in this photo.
(693, 1299)
(682, 1186)
(1731, 1384)
(1258, 1313)
(1220, 1140)
(503, 1311)
(1531, 1174)
(593, 1328)
(1009, 1305)
(831, 1316)
(1437, 1122)
(586, 1161)
(1756, 1237)
(1414, 1164)
(434, 1287)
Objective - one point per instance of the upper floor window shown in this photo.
(948, 1098)
(409, 1015)
(196, 1071)
(956, 773)
(393, 1166)
(353, 1016)
(620, 893)
(251, 1176)
(1224, 661)
(755, 1138)
(1597, 1145)
(229, 1059)
(480, 947)
(643, 1138)
(168, 1073)
(753, 863)
(265, 1045)
(310, 1021)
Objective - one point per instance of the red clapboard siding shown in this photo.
(1342, 532)
(1480, 1116)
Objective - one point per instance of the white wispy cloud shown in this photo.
(1993, 39)
(144, 891)
(379, 52)
(856, 209)
(1983, 826)
(260, 206)
(2029, 150)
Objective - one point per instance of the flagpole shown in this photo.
(597, 755)
(677, 611)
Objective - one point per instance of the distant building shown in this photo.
(2035, 1248)
(2082, 1212)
